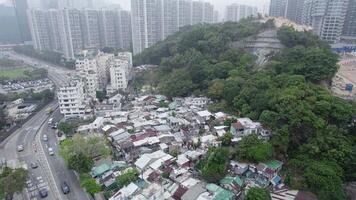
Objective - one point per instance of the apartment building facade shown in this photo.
(69, 31)
(236, 12)
(71, 99)
(120, 71)
(154, 20)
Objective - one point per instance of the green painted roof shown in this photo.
(227, 180)
(141, 183)
(274, 164)
(212, 187)
(223, 194)
(230, 180)
(238, 181)
(99, 170)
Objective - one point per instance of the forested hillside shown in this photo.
(313, 130)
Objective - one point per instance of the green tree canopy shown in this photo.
(12, 180)
(256, 193)
(78, 151)
(127, 177)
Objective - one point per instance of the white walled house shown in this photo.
(120, 69)
(71, 100)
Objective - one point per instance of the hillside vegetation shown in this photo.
(313, 130)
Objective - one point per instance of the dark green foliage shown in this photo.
(214, 166)
(202, 52)
(226, 139)
(101, 95)
(127, 177)
(256, 193)
(178, 83)
(325, 180)
(12, 180)
(80, 163)
(290, 38)
(253, 149)
(66, 128)
(89, 184)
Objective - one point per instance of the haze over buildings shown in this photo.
(332, 20)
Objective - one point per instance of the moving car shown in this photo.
(50, 151)
(20, 148)
(43, 193)
(65, 188)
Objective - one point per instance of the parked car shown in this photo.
(43, 193)
(50, 121)
(65, 188)
(45, 138)
(34, 165)
(50, 151)
(55, 125)
(20, 148)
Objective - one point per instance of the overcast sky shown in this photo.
(219, 4)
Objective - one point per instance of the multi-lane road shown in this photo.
(51, 171)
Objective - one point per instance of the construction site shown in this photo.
(345, 79)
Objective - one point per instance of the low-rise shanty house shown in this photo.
(166, 138)
(120, 136)
(179, 192)
(245, 126)
(193, 155)
(152, 192)
(101, 172)
(163, 129)
(153, 160)
(234, 184)
(239, 168)
(219, 193)
(103, 110)
(126, 192)
(116, 100)
(196, 101)
(274, 165)
(109, 128)
(194, 192)
(208, 141)
(204, 116)
(220, 130)
(220, 116)
(183, 161)
(95, 126)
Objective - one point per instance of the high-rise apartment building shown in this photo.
(294, 10)
(41, 36)
(20, 9)
(154, 20)
(235, 12)
(278, 8)
(69, 31)
(349, 29)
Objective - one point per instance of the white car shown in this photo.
(20, 148)
(50, 151)
(45, 138)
